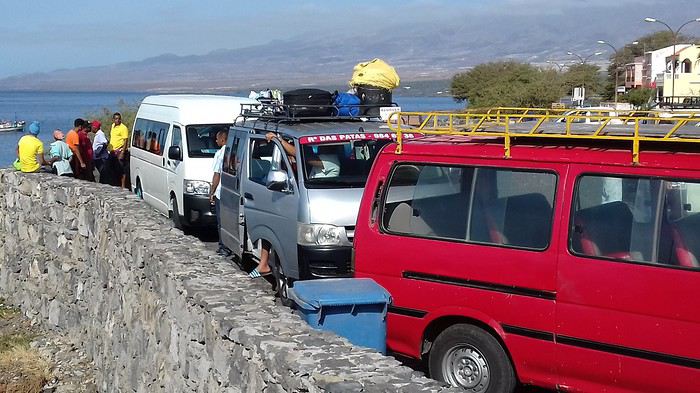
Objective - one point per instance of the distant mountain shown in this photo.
(419, 51)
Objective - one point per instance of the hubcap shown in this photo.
(466, 367)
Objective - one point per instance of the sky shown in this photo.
(45, 35)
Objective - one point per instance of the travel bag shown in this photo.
(309, 102)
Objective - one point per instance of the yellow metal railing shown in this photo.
(510, 123)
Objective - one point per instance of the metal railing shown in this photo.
(542, 124)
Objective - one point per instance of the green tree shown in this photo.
(587, 75)
(104, 115)
(507, 83)
(640, 97)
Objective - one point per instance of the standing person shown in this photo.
(85, 150)
(215, 189)
(60, 155)
(99, 149)
(118, 136)
(72, 140)
(30, 150)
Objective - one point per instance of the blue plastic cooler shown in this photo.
(354, 308)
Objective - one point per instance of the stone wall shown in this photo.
(155, 310)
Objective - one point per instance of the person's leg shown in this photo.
(263, 268)
(217, 207)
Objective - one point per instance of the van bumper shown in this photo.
(324, 262)
(198, 211)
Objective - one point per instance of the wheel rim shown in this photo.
(466, 367)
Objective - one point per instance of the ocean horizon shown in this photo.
(57, 110)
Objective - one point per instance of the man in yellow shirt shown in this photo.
(30, 150)
(118, 137)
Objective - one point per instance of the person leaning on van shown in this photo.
(215, 189)
(117, 146)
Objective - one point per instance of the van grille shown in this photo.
(350, 232)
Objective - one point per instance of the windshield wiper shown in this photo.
(334, 182)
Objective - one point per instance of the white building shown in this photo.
(657, 63)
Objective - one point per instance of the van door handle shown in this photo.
(163, 161)
(248, 195)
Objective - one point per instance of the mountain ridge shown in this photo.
(419, 52)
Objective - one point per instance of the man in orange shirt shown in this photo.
(73, 140)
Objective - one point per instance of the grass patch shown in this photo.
(7, 311)
(14, 340)
(22, 371)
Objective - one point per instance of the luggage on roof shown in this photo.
(376, 73)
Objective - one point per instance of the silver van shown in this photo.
(306, 211)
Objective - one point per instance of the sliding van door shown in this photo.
(627, 298)
(232, 231)
(148, 143)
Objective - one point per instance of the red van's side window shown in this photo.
(646, 220)
(483, 205)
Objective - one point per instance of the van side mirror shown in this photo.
(174, 153)
(277, 181)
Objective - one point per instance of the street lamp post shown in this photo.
(583, 61)
(615, 65)
(673, 56)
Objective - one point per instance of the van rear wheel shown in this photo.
(281, 283)
(467, 356)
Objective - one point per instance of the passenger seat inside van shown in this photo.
(686, 241)
(603, 230)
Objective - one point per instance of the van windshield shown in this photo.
(201, 139)
(339, 165)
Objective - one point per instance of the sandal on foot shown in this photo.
(256, 273)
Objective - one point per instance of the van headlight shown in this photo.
(196, 187)
(319, 235)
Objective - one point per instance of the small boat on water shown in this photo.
(7, 126)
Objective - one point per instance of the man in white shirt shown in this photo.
(215, 189)
(99, 151)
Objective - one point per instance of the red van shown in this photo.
(565, 266)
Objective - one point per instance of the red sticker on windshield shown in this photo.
(360, 136)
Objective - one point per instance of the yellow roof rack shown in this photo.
(576, 124)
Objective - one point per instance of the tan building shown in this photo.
(687, 74)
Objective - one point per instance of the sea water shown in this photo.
(58, 110)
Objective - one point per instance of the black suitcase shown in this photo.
(309, 102)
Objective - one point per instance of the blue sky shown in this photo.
(45, 35)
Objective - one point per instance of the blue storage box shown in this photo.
(354, 308)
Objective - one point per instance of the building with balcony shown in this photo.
(658, 62)
(686, 81)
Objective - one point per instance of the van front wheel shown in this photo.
(175, 213)
(467, 356)
(138, 191)
(281, 280)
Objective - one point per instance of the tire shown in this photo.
(281, 284)
(174, 213)
(467, 356)
(138, 190)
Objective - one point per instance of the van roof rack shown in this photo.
(547, 124)
(274, 111)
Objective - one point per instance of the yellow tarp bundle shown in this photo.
(376, 73)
